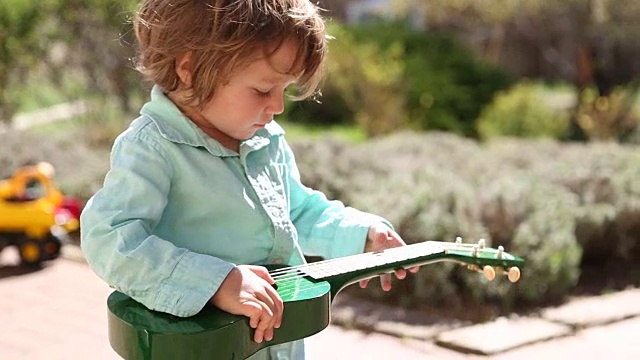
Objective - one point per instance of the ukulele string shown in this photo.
(282, 272)
(297, 272)
(289, 269)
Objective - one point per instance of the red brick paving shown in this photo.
(57, 312)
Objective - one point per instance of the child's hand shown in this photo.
(381, 237)
(247, 291)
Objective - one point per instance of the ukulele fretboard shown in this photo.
(389, 257)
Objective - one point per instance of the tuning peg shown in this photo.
(513, 274)
(458, 240)
(500, 252)
(489, 272)
(482, 243)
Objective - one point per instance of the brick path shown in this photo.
(59, 312)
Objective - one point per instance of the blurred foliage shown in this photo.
(591, 44)
(381, 76)
(523, 111)
(101, 49)
(369, 80)
(82, 48)
(387, 75)
(447, 85)
(363, 86)
(611, 116)
(20, 45)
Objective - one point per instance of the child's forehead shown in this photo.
(278, 78)
(261, 71)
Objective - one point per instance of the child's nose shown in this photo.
(276, 105)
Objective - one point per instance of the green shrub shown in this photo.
(537, 220)
(390, 73)
(605, 177)
(609, 117)
(523, 111)
(363, 84)
(447, 84)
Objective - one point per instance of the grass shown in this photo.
(296, 131)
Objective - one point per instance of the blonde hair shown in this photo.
(224, 35)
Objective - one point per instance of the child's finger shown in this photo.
(258, 335)
(385, 282)
(273, 301)
(262, 272)
(394, 237)
(268, 334)
(364, 283)
(279, 306)
(414, 269)
(253, 311)
(401, 274)
(264, 324)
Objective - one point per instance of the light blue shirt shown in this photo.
(178, 210)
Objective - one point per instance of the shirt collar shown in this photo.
(174, 126)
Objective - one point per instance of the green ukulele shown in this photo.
(136, 332)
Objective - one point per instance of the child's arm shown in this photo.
(325, 227)
(117, 237)
(329, 229)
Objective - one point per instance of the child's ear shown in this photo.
(184, 68)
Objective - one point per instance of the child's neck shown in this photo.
(224, 139)
(202, 123)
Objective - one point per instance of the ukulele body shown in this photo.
(136, 332)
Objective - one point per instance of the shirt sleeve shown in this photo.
(326, 228)
(118, 242)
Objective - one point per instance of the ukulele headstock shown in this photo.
(489, 261)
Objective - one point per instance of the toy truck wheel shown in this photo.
(31, 252)
(51, 248)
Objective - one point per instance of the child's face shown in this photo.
(249, 101)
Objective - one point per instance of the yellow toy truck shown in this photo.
(34, 215)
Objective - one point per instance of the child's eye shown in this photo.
(262, 93)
